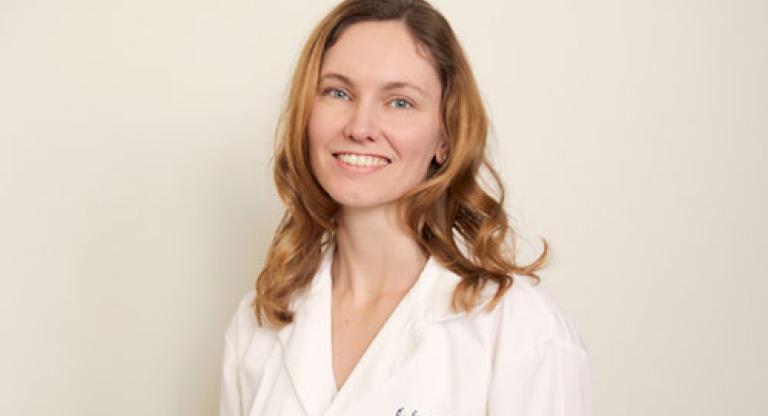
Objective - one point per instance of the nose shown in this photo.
(362, 124)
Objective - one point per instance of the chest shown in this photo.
(430, 370)
(352, 332)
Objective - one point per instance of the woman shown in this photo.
(390, 287)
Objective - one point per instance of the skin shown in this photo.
(363, 105)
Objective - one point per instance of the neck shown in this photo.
(375, 257)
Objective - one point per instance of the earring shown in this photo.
(443, 157)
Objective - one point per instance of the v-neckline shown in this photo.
(396, 318)
(371, 343)
(307, 342)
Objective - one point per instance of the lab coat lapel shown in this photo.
(306, 343)
(400, 342)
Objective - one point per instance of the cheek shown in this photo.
(418, 143)
(323, 123)
(319, 132)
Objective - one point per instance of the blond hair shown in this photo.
(449, 208)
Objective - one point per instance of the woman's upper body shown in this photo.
(389, 288)
(524, 357)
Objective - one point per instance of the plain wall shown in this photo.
(136, 199)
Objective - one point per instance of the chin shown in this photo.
(359, 200)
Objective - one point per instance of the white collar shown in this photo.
(307, 346)
(431, 293)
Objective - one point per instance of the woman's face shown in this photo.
(375, 121)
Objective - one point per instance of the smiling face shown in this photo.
(375, 121)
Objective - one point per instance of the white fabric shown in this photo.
(524, 358)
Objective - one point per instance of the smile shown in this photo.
(361, 163)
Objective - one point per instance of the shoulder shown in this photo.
(243, 328)
(527, 316)
(538, 360)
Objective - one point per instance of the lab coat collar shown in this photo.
(433, 290)
(306, 342)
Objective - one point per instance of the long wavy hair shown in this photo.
(450, 214)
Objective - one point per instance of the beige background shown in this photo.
(136, 200)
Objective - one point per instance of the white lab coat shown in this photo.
(524, 358)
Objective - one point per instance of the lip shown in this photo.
(359, 169)
(361, 154)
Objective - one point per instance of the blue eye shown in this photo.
(402, 103)
(333, 92)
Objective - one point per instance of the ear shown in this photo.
(441, 155)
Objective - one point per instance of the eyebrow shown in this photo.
(388, 86)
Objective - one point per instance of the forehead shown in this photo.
(381, 52)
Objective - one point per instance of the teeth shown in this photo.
(362, 160)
